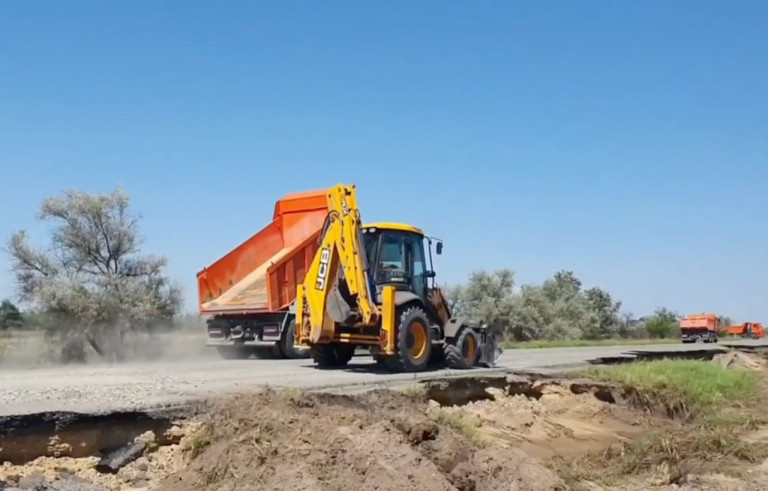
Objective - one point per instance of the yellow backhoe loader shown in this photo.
(372, 286)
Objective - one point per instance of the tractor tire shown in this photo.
(332, 356)
(286, 344)
(414, 342)
(235, 352)
(464, 352)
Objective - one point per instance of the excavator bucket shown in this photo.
(490, 349)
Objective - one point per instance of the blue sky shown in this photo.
(626, 141)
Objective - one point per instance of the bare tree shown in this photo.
(92, 278)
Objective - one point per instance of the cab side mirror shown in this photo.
(439, 248)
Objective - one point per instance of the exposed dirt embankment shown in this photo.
(491, 438)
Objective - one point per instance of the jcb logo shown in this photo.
(322, 272)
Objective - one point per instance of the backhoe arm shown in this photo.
(336, 288)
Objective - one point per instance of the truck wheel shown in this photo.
(266, 352)
(413, 343)
(332, 356)
(462, 354)
(234, 352)
(286, 343)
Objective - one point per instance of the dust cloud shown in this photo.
(30, 349)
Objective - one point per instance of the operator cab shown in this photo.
(395, 254)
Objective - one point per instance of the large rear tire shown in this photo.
(413, 343)
(464, 352)
(331, 355)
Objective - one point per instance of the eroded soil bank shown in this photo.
(518, 434)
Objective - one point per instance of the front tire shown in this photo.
(464, 353)
(413, 343)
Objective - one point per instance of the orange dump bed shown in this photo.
(261, 274)
(699, 321)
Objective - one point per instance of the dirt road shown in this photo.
(99, 388)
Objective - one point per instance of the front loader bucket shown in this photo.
(491, 350)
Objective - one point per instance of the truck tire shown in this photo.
(464, 352)
(267, 352)
(414, 342)
(286, 343)
(235, 352)
(331, 355)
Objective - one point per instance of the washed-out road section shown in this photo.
(145, 386)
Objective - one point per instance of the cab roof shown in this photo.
(395, 226)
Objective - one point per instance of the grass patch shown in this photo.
(577, 343)
(198, 444)
(726, 404)
(461, 423)
(699, 384)
(414, 391)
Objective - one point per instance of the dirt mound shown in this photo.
(379, 441)
(738, 359)
(383, 440)
(559, 422)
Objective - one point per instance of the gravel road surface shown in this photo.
(100, 388)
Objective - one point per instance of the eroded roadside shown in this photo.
(489, 432)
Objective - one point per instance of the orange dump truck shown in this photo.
(699, 326)
(753, 330)
(248, 294)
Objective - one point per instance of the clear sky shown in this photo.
(626, 141)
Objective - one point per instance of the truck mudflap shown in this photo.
(490, 348)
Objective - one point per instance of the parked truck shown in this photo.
(248, 294)
(699, 327)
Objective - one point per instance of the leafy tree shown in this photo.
(559, 309)
(10, 317)
(662, 324)
(92, 284)
(488, 297)
(606, 312)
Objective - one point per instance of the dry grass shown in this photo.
(687, 451)
(461, 423)
(725, 403)
(414, 391)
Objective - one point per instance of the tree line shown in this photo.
(560, 308)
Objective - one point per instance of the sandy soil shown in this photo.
(379, 440)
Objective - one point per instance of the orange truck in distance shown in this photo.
(699, 326)
(754, 330)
